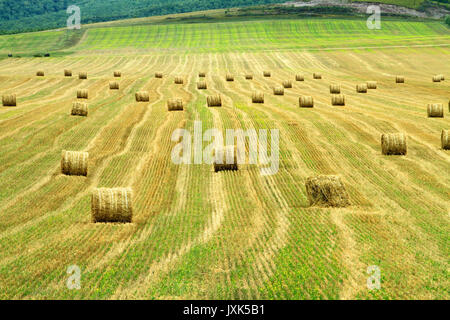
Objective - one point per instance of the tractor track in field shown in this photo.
(52, 172)
(121, 246)
(125, 244)
(164, 264)
(52, 175)
(35, 187)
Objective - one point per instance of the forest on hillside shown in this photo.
(25, 15)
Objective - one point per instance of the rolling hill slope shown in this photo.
(24, 16)
(21, 15)
(252, 35)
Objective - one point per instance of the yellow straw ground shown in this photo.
(239, 235)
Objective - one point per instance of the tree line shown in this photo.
(25, 15)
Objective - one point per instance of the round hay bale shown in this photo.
(79, 109)
(175, 104)
(442, 77)
(317, 76)
(393, 144)
(40, 73)
(257, 97)
(214, 101)
(436, 78)
(266, 74)
(338, 100)
(326, 191)
(142, 96)
(306, 102)
(435, 110)
(372, 84)
(287, 84)
(399, 79)
(201, 85)
(158, 75)
(229, 77)
(361, 88)
(179, 80)
(83, 75)
(114, 85)
(222, 157)
(67, 73)
(249, 77)
(278, 91)
(117, 74)
(9, 100)
(112, 205)
(202, 74)
(74, 163)
(335, 88)
(299, 77)
(445, 141)
(82, 94)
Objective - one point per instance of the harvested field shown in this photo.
(188, 232)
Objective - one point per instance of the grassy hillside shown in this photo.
(23, 16)
(253, 35)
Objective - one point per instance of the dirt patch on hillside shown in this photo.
(361, 7)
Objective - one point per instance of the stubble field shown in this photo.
(197, 234)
